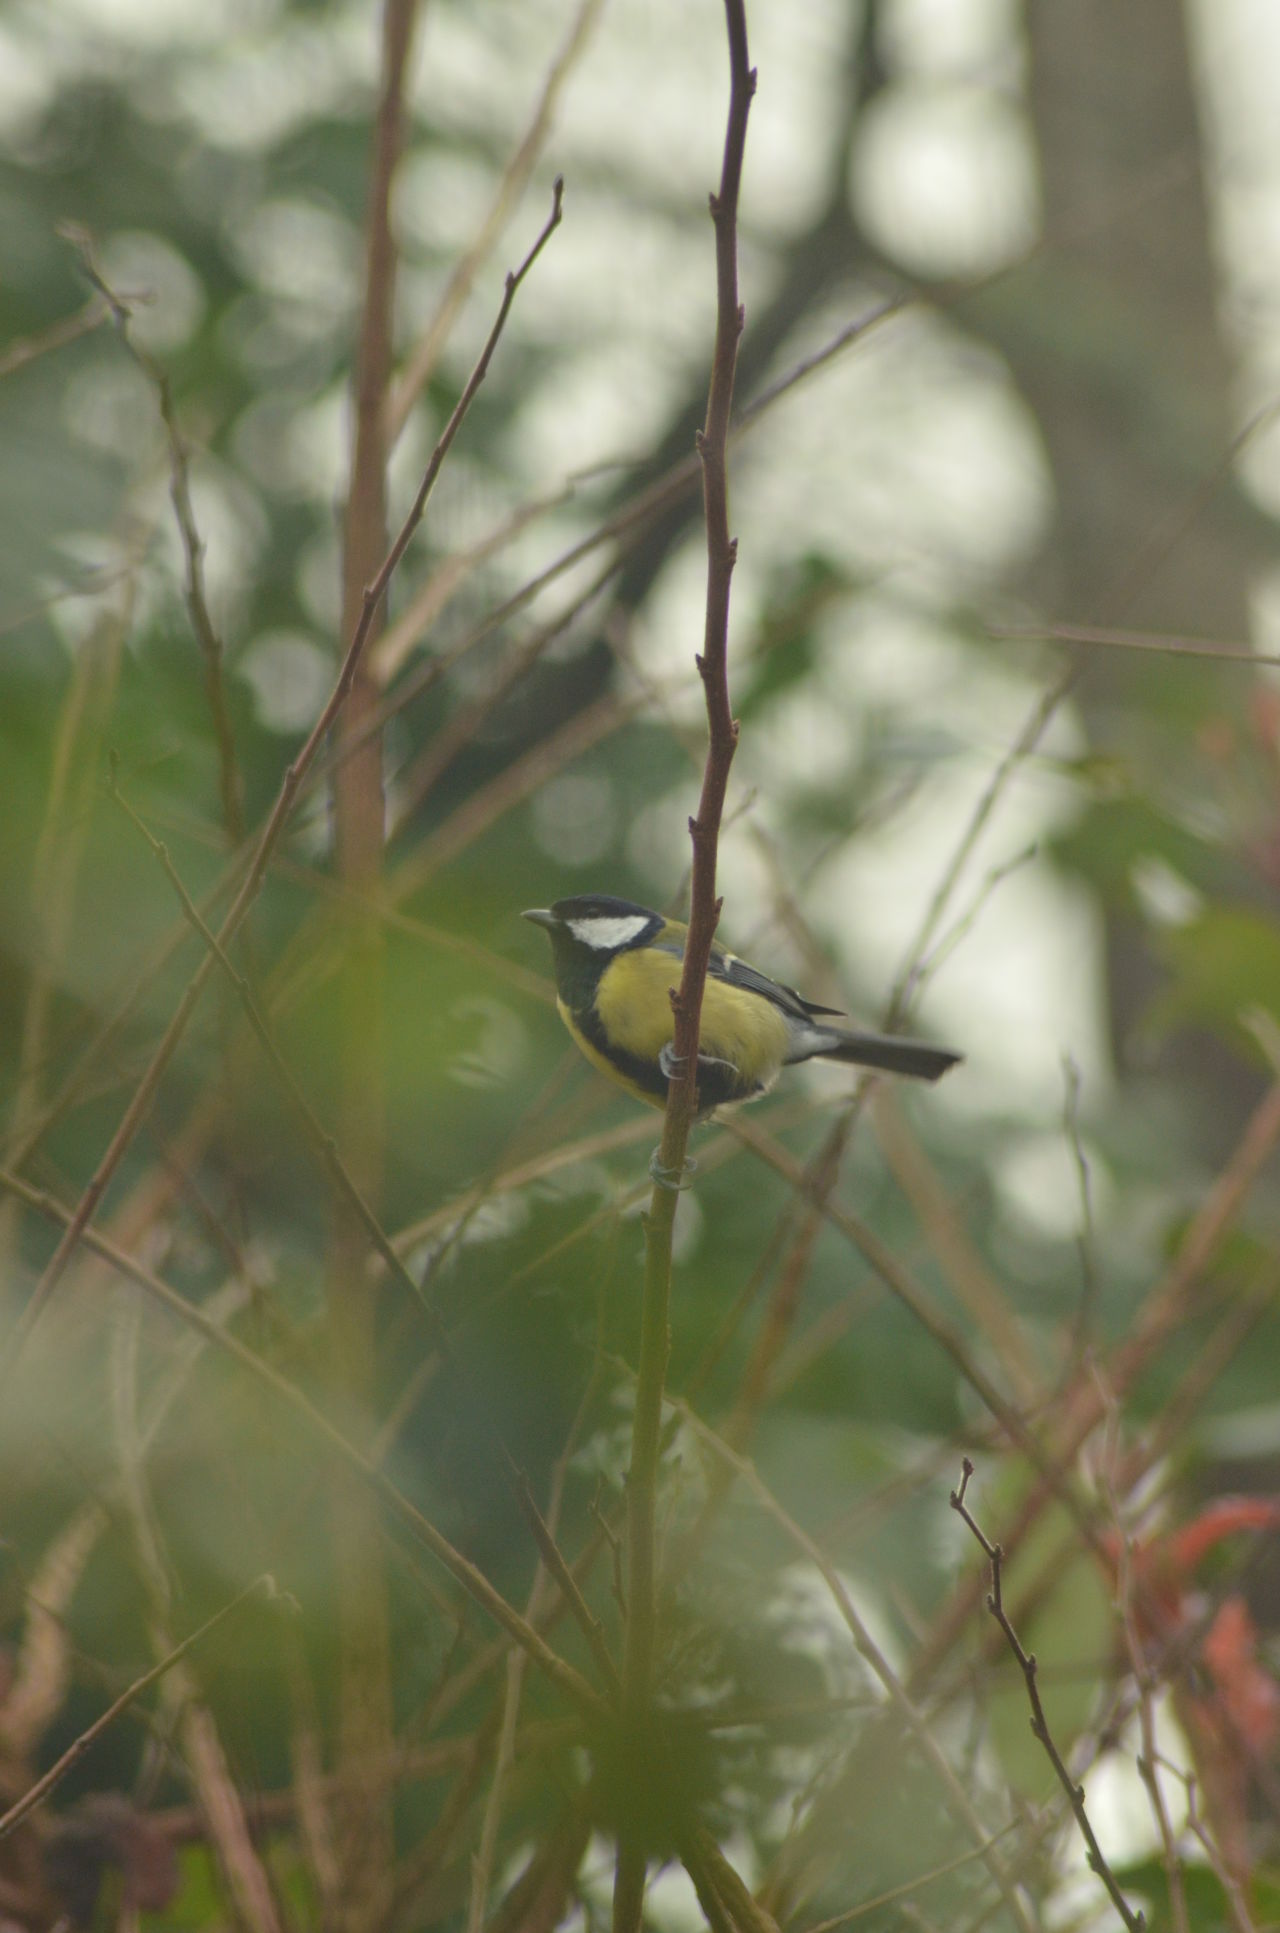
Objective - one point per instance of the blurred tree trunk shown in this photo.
(1113, 336)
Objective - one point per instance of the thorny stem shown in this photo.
(639, 1644)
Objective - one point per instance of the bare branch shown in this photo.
(426, 352)
(639, 1645)
(36, 1794)
(1135, 1922)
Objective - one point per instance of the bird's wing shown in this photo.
(737, 973)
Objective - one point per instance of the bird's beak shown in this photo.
(540, 917)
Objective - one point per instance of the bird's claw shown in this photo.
(670, 1062)
(675, 1179)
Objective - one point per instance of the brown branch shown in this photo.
(625, 527)
(1135, 1922)
(211, 651)
(294, 776)
(230, 788)
(464, 726)
(425, 354)
(640, 1636)
(36, 1794)
(95, 312)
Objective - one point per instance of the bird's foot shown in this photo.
(676, 1179)
(670, 1062)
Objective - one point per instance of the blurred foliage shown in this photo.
(897, 524)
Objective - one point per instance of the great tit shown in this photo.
(615, 963)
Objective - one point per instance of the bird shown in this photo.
(615, 964)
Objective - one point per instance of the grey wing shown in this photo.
(728, 967)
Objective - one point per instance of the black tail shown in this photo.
(912, 1057)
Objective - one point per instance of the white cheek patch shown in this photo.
(605, 935)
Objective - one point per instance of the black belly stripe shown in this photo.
(718, 1081)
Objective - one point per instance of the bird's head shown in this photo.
(588, 931)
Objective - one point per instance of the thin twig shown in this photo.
(425, 354)
(278, 818)
(464, 726)
(965, 921)
(910, 1886)
(1135, 1922)
(625, 527)
(120, 309)
(509, 788)
(36, 1794)
(965, 1269)
(92, 316)
(717, 1877)
(443, 584)
(1034, 727)
(1111, 638)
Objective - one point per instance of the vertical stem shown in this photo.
(638, 1653)
(366, 1724)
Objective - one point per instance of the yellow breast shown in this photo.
(634, 1007)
